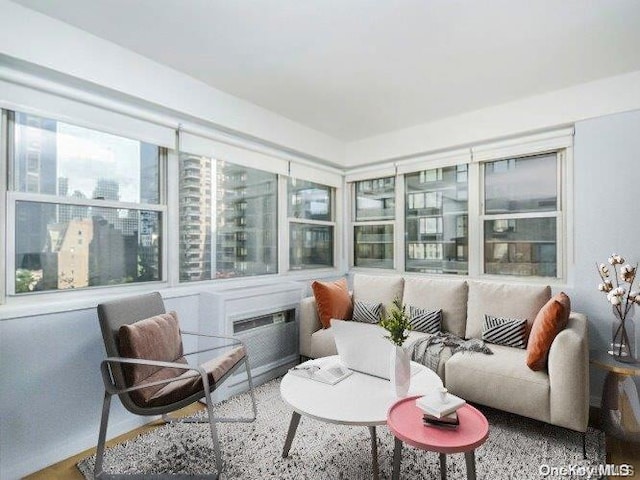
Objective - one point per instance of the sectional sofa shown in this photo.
(558, 394)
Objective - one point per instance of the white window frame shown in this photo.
(557, 141)
(352, 222)
(285, 254)
(13, 196)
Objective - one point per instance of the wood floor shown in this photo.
(618, 452)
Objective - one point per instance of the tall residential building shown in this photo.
(195, 217)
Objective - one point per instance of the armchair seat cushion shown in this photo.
(185, 383)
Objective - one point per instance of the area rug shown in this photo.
(517, 448)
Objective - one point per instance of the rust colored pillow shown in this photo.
(551, 320)
(333, 301)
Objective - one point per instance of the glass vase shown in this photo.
(623, 347)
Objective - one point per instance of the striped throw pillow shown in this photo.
(367, 312)
(509, 332)
(425, 321)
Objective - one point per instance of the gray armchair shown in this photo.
(148, 369)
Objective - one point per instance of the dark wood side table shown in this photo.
(620, 406)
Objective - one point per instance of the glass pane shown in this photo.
(246, 221)
(521, 185)
(237, 235)
(436, 218)
(525, 247)
(67, 246)
(373, 246)
(309, 200)
(375, 199)
(56, 158)
(310, 246)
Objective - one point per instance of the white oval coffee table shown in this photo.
(359, 399)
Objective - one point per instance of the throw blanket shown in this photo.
(427, 350)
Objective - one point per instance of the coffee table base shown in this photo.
(293, 426)
(470, 460)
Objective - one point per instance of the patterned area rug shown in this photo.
(516, 449)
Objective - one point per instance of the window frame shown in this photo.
(556, 141)
(353, 222)
(559, 214)
(13, 197)
(288, 221)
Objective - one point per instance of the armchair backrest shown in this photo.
(112, 315)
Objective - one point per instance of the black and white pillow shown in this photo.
(367, 312)
(509, 332)
(426, 321)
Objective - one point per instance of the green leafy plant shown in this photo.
(397, 323)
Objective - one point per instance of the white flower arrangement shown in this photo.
(621, 296)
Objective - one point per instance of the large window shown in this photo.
(436, 220)
(310, 210)
(521, 211)
(227, 220)
(87, 206)
(374, 215)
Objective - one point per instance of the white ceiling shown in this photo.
(357, 68)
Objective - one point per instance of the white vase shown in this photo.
(400, 371)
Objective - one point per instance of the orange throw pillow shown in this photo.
(551, 320)
(333, 301)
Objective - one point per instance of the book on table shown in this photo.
(324, 370)
(433, 405)
(447, 421)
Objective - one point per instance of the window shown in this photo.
(373, 229)
(436, 219)
(521, 211)
(87, 206)
(227, 220)
(310, 211)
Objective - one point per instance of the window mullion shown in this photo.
(475, 229)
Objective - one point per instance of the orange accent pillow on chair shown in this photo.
(551, 320)
(333, 301)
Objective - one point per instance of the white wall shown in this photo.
(50, 387)
(607, 203)
(40, 40)
(562, 107)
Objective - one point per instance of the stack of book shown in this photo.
(440, 410)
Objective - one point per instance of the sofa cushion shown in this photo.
(509, 332)
(450, 296)
(551, 320)
(377, 289)
(425, 321)
(367, 312)
(503, 300)
(332, 300)
(501, 380)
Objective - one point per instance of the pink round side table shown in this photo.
(404, 419)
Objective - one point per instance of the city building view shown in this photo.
(69, 241)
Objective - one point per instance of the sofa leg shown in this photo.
(584, 445)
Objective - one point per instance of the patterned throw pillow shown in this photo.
(509, 332)
(425, 321)
(367, 312)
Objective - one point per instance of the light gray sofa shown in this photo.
(558, 395)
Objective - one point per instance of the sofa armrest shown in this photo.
(569, 375)
(309, 324)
